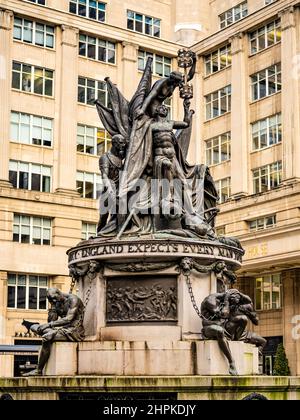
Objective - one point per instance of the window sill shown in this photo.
(264, 50)
(264, 98)
(266, 148)
(33, 94)
(88, 155)
(219, 164)
(216, 118)
(207, 77)
(142, 33)
(97, 61)
(32, 145)
(40, 311)
(18, 41)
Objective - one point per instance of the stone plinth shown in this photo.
(135, 289)
(63, 360)
(159, 358)
(210, 360)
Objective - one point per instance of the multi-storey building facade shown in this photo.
(54, 56)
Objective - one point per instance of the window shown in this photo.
(88, 230)
(27, 292)
(218, 149)
(89, 90)
(269, 2)
(144, 24)
(262, 223)
(91, 9)
(32, 79)
(40, 2)
(266, 82)
(268, 292)
(33, 33)
(162, 66)
(29, 176)
(218, 60)
(32, 230)
(224, 189)
(267, 132)
(218, 103)
(267, 177)
(233, 15)
(92, 141)
(88, 185)
(31, 129)
(97, 49)
(265, 37)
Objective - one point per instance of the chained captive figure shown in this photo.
(65, 323)
(225, 318)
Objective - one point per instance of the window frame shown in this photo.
(31, 127)
(30, 173)
(97, 45)
(34, 31)
(261, 291)
(87, 232)
(220, 187)
(258, 133)
(209, 60)
(217, 142)
(261, 223)
(210, 100)
(27, 291)
(33, 72)
(131, 16)
(255, 36)
(233, 12)
(96, 89)
(96, 136)
(257, 85)
(98, 9)
(269, 171)
(143, 56)
(97, 180)
(45, 225)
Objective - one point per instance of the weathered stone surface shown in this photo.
(63, 360)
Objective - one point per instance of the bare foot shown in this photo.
(233, 370)
(35, 372)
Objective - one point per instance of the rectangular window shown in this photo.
(265, 37)
(218, 60)
(269, 292)
(40, 2)
(224, 189)
(27, 292)
(267, 132)
(32, 79)
(267, 177)
(88, 185)
(218, 103)
(29, 176)
(89, 90)
(218, 149)
(34, 33)
(88, 230)
(91, 9)
(144, 24)
(31, 129)
(97, 49)
(92, 140)
(233, 15)
(266, 82)
(262, 223)
(32, 230)
(162, 66)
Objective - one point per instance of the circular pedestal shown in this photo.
(136, 290)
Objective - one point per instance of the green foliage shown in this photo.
(281, 367)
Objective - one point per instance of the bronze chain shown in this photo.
(190, 288)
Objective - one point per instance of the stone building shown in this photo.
(54, 56)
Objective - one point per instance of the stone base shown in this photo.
(126, 388)
(63, 360)
(149, 358)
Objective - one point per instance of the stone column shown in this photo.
(6, 24)
(129, 69)
(290, 61)
(66, 94)
(291, 310)
(239, 116)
